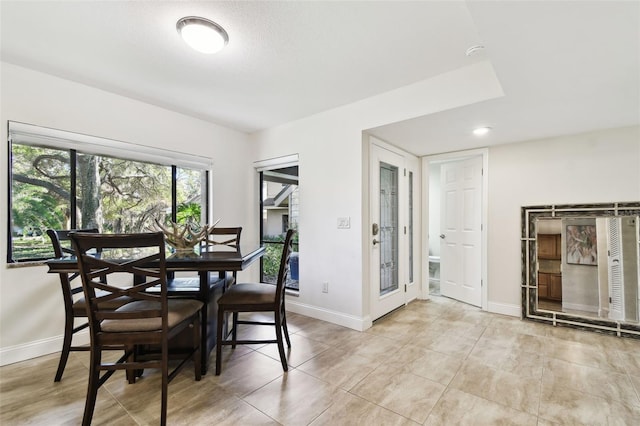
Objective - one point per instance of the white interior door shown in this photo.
(387, 252)
(461, 230)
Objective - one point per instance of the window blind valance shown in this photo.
(30, 134)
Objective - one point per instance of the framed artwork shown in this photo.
(582, 245)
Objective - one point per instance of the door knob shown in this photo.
(442, 236)
(375, 241)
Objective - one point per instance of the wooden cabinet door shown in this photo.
(555, 287)
(549, 246)
(543, 285)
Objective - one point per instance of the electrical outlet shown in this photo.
(325, 287)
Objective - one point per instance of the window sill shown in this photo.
(290, 292)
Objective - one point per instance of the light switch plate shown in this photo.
(344, 222)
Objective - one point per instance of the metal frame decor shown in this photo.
(530, 311)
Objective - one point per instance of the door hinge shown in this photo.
(610, 300)
(405, 288)
(405, 230)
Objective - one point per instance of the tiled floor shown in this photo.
(435, 362)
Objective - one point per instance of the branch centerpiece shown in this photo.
(184, 237)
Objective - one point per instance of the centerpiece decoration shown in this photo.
(184, 237)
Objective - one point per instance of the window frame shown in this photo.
(76, 143)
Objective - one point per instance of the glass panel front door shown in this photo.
(388, 228)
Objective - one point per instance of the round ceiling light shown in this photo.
(474, 49)
(202, 34)
(481, 131)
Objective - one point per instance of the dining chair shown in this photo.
(150, 319)
(75, 305)
(227, 238)
(256, 297)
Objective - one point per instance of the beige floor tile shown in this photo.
(297, 322)
(327, 333)
(585, 354)
(434, 366)
(563, 405)
(511, 360)
(419, 317)
(339, 368)
(453, 345)
(514, 338)
(407, 394)
(301, 350)
(369, 345)
(295, 398)
(444, 363)
(209, 404)
(635, 381)
(245, 374)
(602, 383)
(395, 330)
(518, 392)
(350, 410)
(459, 408)
(589, 338)
(631, 361)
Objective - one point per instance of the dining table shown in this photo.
(212, 266)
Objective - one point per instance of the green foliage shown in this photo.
(273, 255)
(113, 194)
(189, 213)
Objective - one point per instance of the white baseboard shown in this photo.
(37, 348)
(339, 318)
(504, 309)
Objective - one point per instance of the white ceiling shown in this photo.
(565, 67)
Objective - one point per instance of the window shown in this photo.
(279, 208)
(65, 180)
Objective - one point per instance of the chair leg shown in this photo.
(219, 340)
(66, 346)
(133, 357)
(286, 329)
(165, 383)
(197, 359)
(94, 384)
(234, 330)
(283, 357)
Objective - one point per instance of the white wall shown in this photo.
(601, 166)
(333, 183)
(31, 311)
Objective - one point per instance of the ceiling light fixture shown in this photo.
(481, 131)
(474, 49)
(202, 34)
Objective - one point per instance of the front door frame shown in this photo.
(442, 158)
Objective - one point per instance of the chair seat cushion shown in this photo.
(80, 305)
(179, 310)
(249, 294)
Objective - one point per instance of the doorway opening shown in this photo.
(456, 258)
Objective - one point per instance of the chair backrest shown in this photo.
(69, 287)
(284, 264)
(219, 236)
(140, 255)
(59, 235)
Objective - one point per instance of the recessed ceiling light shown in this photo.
(202, 34)
(474, 49)
(481, 131)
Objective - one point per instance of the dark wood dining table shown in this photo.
(211, 266)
